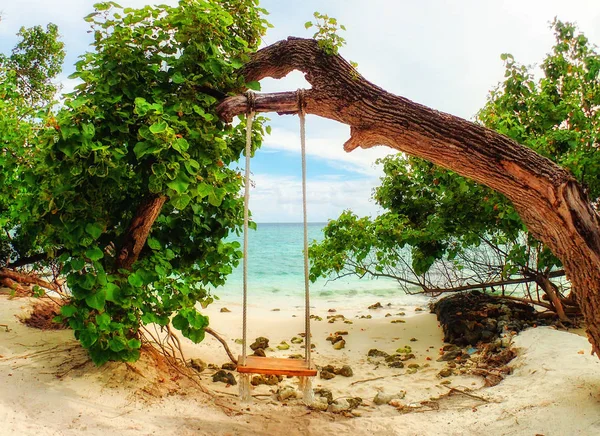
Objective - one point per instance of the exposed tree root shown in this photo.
(223, 342)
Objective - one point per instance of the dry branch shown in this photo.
(223, 342)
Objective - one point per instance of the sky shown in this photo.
(441, 53)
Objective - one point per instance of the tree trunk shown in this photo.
(547, 197)
(138, 230)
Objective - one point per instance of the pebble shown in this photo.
(338, 406)
(283, 346)
(374, 352)
(296, 340)
(285, 393)
(229, 366)
(450, 355)
(405, 349)
(345, 371)
(224, 310)
(324, 393)
(376, 306)
(339, 345)
(446, 372)
(326, 375)
(398, 321)
(259, 352)
(260, 342)
(333, 318)
(320, 404)
(224, 377)
(381, 398)
(198, 364)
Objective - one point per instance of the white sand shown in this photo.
(554, 389)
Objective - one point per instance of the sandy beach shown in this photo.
(48, 387)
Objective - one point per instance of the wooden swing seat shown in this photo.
(276, 366)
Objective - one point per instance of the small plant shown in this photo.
(327, 33)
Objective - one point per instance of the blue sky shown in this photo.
(441, 53)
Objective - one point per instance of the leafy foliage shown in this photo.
(440, 230)
(327, 32)
(27, 91)
(141, 125)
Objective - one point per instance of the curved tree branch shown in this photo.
(547, 197)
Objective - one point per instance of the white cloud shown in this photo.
(279, 199)
(328, 149)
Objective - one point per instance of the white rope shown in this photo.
(307, 338)
(249, 119)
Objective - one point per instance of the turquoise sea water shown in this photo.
(276, 274)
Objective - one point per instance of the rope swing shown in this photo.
(266, 365)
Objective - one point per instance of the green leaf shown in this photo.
(103, 321)
(180, 184)
(96, 300)
(135, 280)
(94, 230)
(88, 338)
(68, 310)
(140, 148)
(178, 78)
(195, 335)
(308, 25)
(117, 344)
(77, 264)
(112, 292)
(254, 85)
(191, 166)
(154, 244)
(181, 145)
(204, 189)
(180, 322)
(180, 201)
(94, 253)
(158, 127)
(88, 130)
(134, 344)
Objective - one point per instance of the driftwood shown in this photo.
(549, 200)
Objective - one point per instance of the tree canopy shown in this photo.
(130, 185)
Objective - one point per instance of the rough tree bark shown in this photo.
(547, 197)
(139, 229)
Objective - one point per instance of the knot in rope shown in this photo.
(301, 102)
(251, 97)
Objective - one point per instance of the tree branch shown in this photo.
(139, 229)
(547, 197)
(27, 279)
